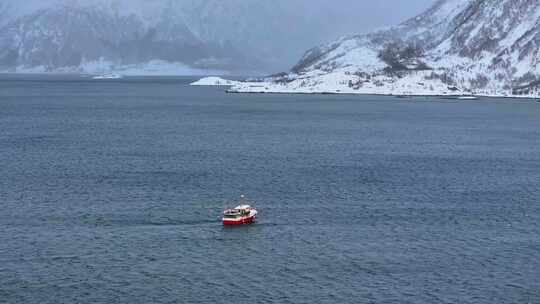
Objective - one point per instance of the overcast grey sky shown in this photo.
(366, 15)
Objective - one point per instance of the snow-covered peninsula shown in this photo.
(457, 47)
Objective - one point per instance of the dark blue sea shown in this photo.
(111, 192)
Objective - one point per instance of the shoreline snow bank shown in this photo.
(458, 96)
(415, 84)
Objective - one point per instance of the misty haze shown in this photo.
(269, 151)
(230, 36)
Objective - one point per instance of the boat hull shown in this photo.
(241, 221)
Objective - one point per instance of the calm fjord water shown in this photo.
(111, 192)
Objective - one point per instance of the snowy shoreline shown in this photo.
(454, 97)
(239, 87)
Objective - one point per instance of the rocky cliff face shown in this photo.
(456, 47)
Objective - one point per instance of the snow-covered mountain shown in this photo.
(109, 35)
(489, 47)
(99, 36)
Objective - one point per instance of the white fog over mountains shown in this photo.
(182, 35)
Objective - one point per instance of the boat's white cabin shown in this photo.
(243, 207)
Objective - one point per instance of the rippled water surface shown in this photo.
(111, 192)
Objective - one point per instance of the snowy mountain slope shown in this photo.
(456, 47)
(434, 25)
(427, 29)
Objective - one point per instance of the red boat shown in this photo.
(240, 215)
